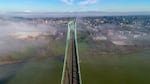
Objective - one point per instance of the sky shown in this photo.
(74, 5)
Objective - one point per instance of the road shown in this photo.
(71, 73)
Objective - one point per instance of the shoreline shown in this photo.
(11, 62)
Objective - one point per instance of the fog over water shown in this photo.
(20, 36)
(9, 43)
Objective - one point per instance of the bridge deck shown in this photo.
(71, 73)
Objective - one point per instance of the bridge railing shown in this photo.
(77, 54)
(66, 51)
(70, 26)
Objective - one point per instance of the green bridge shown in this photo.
(71, 69)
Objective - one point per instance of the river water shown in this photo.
(17, 37)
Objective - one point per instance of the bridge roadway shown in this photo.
(71, 73)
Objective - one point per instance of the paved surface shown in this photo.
(71, 68)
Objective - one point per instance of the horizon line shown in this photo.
(72, 14)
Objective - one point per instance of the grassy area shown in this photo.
(132, 68)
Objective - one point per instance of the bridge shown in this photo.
(71, 68)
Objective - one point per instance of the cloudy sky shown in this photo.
(74, 5)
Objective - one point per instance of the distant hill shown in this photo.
(71, 14)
